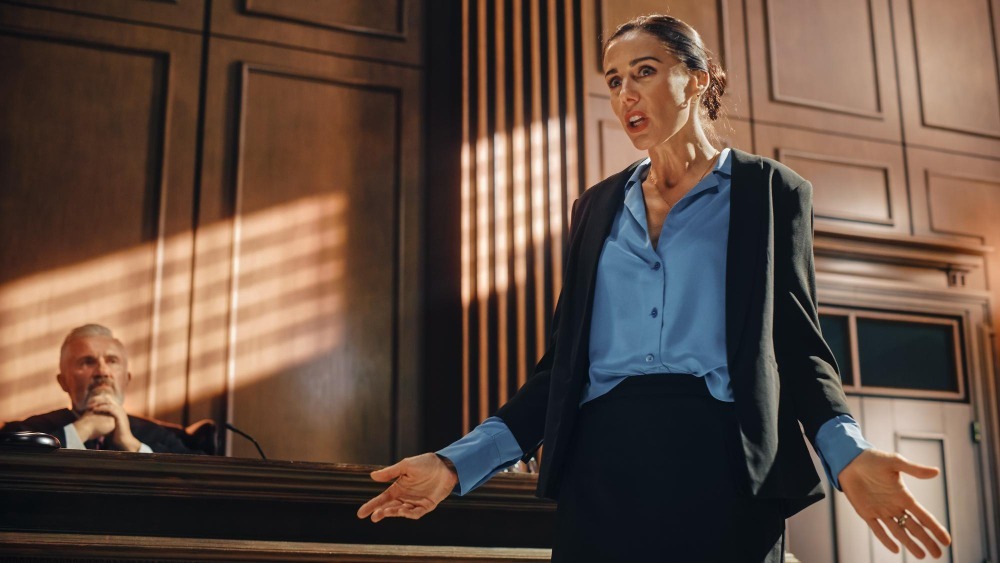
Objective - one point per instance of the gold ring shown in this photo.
(902, 519)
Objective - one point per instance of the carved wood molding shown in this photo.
(178, 496)
(896, 243)
(84, 546)
(66, 471)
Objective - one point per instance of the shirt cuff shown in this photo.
(144, 449)
(837, 443)
(482, 453)
(73, 441)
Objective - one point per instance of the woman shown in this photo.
(686, 350)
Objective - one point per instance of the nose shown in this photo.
(627, 94)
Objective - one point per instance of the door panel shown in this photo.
(934, 433)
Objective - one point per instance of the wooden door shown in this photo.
(936, 433)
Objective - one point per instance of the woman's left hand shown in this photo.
(873, 483)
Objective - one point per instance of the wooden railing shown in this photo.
(121, 506)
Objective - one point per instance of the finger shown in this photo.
(915, 529)
(388, 473)
(380, 512)
(414, 513)
(928, 521)
(904, 538)
(105, 410)
(395, 511)
(876, 525)
(918, 470)
(378, 502)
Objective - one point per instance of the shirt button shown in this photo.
(653, 313)
(649, 357)
(656, 266)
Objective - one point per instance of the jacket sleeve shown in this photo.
(524, 413)
(809, 373)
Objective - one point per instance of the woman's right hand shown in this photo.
(421, 482)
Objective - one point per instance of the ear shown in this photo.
(698, 84)
(62, 382)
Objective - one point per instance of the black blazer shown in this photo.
(782, 371)
(159, 438)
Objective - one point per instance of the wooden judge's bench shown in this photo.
(83, 505)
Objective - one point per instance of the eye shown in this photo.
(646, 70)
(614, 82)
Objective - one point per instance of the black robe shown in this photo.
(159, 438)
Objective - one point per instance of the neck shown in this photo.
(679, 159)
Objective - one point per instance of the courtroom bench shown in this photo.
(80, 505)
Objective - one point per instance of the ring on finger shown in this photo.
(902, 519)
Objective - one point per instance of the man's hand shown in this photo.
(421, 483)
(105, 417)
(90, 426)
(873, 483)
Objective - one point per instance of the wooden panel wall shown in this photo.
(520, 173)
(305, 288)
(236, 192)
(97, 125)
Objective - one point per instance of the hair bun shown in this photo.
(712, 99)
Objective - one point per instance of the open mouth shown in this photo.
(637, 122)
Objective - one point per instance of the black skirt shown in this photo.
(656, 473)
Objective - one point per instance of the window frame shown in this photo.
(857, 387)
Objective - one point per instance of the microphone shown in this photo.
(247, 436)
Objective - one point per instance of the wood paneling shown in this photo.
(520, 174)
(97, 150)
(388, 30)
(958, 198)
(31, 548)
(858, 185)
(948, 75)
(832, 71)
(199, 497)
(186, 14)
(306, 278)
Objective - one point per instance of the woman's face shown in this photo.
(651, 90)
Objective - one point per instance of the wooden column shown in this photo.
(520, 174)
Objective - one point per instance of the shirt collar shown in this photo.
(633, 198)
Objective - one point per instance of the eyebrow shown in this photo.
(633, 62)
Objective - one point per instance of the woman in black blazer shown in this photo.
(723, 475)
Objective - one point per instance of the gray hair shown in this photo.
(85, 331)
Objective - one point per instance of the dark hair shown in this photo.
(682, 41)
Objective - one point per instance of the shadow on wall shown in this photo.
(283, 279)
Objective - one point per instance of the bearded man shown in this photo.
(93, 371)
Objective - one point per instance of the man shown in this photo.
(93, 371)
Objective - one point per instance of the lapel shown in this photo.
(609, 195)
(746, 227)
(595, 226)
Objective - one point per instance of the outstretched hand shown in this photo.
(421, 483)
(873, 483)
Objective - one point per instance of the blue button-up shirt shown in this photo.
(657, 310)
